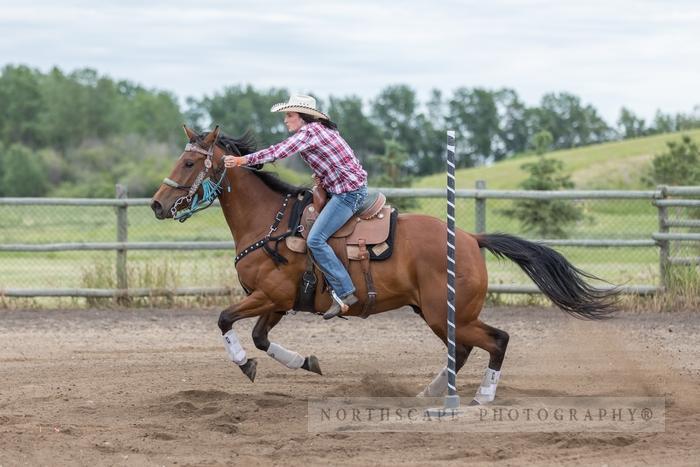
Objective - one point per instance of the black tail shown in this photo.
(557, 278)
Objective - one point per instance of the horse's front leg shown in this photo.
(288, 358)
(255, 304)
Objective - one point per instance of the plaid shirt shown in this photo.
(325, 151)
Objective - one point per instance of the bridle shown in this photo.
(211, 190)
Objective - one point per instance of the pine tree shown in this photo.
(546, 218)
(680, 165)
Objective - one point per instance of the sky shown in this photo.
(644, 55)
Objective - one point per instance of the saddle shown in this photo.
(371, 226)
(364, 237)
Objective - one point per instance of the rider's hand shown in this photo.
(234, 161)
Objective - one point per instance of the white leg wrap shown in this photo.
(288, 358)
(437, 387)
(234, 348)
(487, 391)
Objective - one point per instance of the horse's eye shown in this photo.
(189, 163)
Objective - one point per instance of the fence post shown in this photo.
(480, 211)
(122, 236)
(664, 245)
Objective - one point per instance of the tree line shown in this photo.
(81, 132)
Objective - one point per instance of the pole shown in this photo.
(480, 211)
(452, 399)
(122, 236)
(664, 245)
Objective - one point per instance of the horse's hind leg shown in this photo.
(288, 358)
(438, 385)
(494, 341)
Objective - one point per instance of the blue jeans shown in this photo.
(337, 211)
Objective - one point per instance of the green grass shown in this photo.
(60, 224)
(616, 165)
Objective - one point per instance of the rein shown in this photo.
(263, 243)
(211, 190)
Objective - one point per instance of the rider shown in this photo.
(335, 167)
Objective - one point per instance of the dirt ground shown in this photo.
(154, 387)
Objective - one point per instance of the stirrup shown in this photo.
(339, 305)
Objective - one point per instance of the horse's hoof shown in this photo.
(313, 365)
(249, 368)
(474, 402)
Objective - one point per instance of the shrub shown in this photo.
(545, 218)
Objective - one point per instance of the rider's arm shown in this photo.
(295, 143)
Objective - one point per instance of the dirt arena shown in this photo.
(154, 387)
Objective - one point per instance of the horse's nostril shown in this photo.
(157, 208)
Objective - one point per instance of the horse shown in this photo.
(414, 275)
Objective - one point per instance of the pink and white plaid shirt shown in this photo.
(325, 151)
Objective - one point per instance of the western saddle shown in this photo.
(366, 231)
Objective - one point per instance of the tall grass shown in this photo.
(682, 293)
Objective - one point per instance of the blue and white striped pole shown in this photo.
(452, 399)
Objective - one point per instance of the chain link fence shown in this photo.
(616, 238)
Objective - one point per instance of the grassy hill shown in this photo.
(616, 165)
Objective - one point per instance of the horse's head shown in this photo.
(195, 181)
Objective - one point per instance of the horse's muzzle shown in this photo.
(158, 209)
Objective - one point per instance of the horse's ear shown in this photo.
(190, 133)
(211, 137)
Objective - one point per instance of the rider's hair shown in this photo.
(323, 121)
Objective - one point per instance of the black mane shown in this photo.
(246, 144)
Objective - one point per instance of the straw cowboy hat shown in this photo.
(302, 104)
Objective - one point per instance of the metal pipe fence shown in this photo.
(54, 247)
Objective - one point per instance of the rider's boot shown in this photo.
(339, 305)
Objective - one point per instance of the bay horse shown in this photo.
(414, 275)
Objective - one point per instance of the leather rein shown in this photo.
(211, 190)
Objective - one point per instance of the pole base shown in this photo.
(450, 410)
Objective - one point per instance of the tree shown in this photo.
(22, 173)
(630, 125)
(155, 115)
(542, 142)
(393, 173)
(357, 129)
(570, 123)
(2, 169)
(545, 218)
(689, 121)
(20, 104)
(680, 165)
(238, 109)
(474, 114)
(64, 119)
(395, 111)
(431, 131)
(513, 130)
(663, 123)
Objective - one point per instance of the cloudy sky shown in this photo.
(641, 54)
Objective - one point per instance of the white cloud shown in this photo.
(636, 53)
